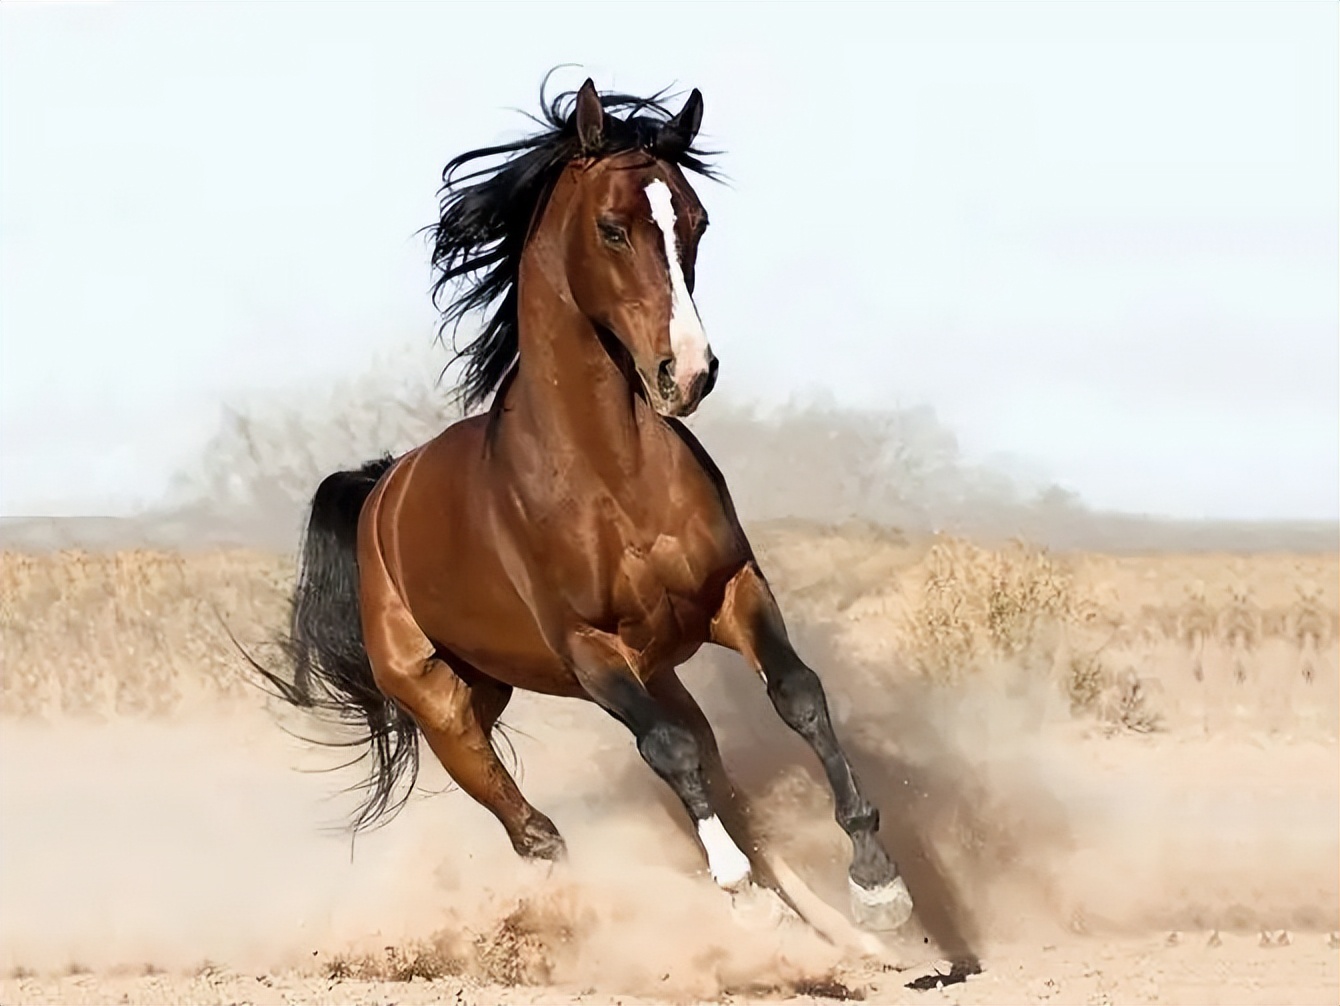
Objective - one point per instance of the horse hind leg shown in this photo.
(456, 717)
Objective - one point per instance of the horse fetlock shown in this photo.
(670, 749)
(859, 820)
(871, 867)
(880, 900)
(672, 752)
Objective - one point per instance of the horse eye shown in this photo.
(613, 235)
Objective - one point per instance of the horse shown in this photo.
(573, 538)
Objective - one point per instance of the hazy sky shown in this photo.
(1098, 238)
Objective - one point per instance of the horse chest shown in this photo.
(660, 596)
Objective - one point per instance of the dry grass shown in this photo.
(1136, 642)
(132, 632)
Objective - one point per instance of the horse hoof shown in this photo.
(542, 845)
(882, 908)
(756, 907)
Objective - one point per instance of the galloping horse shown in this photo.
(574, 539)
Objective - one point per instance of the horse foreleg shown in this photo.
(751, 623)
(669, 744)
(772, 870)
(667, 689)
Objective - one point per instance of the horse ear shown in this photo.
(590, 117)
(677, 135)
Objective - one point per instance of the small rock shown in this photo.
(1173, 939)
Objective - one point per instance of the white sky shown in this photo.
(1100, 239)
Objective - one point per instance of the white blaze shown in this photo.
(688, 341)
(728, 864)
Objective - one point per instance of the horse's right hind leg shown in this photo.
(456, 717)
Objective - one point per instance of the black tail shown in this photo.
(331, 671)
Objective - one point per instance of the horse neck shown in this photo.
(568, 390)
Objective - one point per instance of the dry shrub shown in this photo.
(978, 606)
(395, 964)
(1086, 681)
(1119, 700)
(1016, 607)
(1129, 706)
(423, 959)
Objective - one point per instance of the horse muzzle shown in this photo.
(679, 391)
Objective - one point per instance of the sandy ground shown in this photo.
(1108, 779)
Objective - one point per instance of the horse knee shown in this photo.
(798, 697)
(670, 749)
(672, 752)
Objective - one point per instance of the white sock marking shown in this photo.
(728, 864)
(688, 341)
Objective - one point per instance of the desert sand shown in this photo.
(1108, 778)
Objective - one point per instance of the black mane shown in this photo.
(488, 212)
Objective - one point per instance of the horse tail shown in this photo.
(331, 670)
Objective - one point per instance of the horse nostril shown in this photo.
(665, 378)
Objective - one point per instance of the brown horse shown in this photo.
(574, 539)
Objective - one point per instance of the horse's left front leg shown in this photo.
(749, 621)
(671, 746)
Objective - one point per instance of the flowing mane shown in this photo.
(486, 215)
